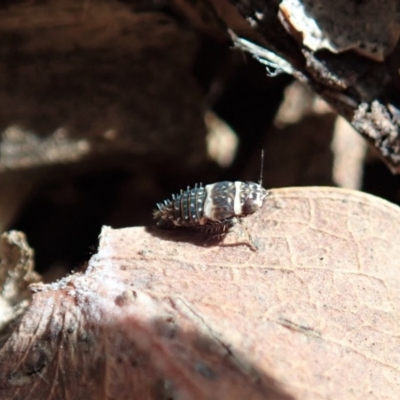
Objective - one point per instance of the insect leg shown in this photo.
(250, 241)
(216, 230)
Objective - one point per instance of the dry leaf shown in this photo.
(312, 314)
(16, 273)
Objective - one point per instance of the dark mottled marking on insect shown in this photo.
(213, 208)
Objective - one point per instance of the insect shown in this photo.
(213, 208)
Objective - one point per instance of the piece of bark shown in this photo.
(354, 70)
(162, 315)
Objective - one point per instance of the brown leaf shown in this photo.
(16, 273)
(158, 315)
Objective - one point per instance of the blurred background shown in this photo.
(108, 107)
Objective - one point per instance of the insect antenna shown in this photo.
(262, 168)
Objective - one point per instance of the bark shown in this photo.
(347, 52)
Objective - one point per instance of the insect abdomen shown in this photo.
(189, 206)
(185, 209)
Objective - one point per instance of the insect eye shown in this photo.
(249, 207)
